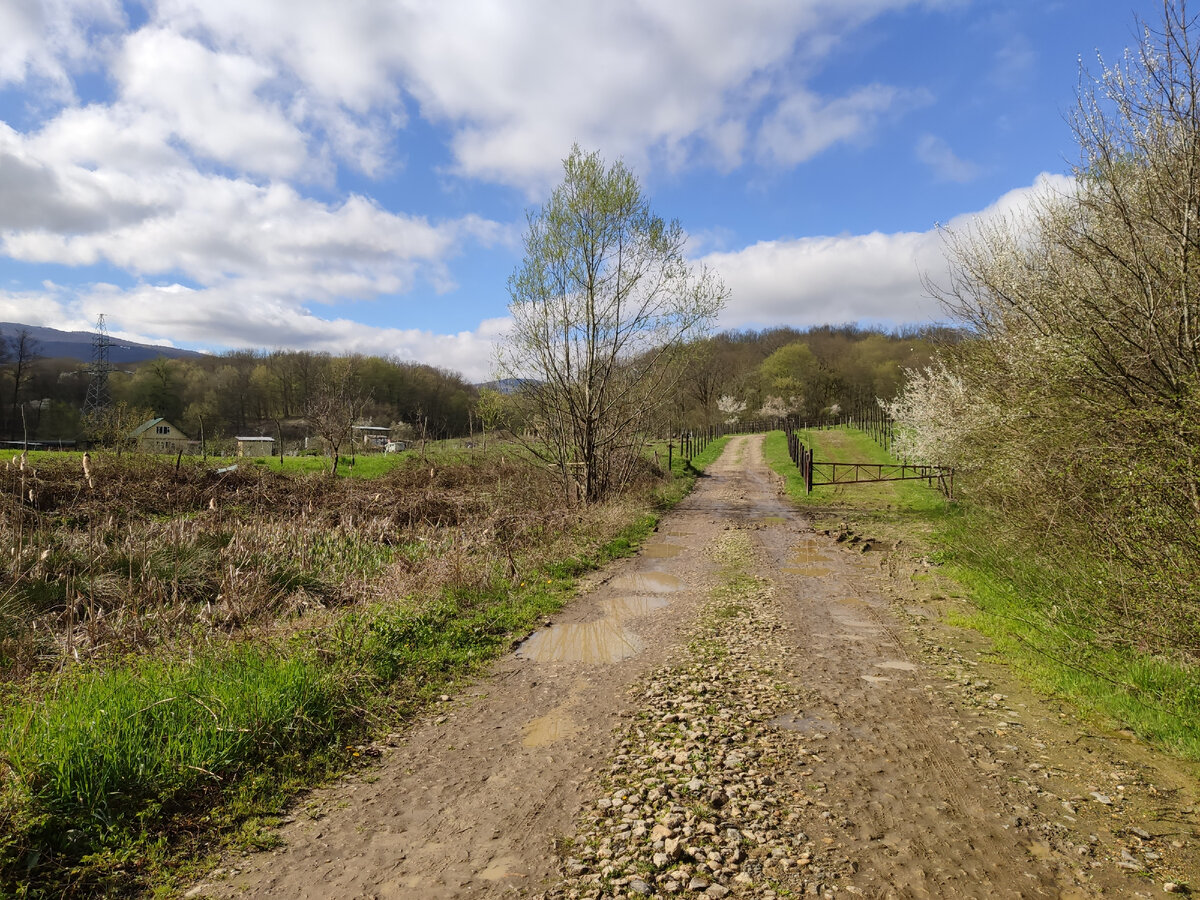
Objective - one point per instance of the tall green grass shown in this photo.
(1024, 602)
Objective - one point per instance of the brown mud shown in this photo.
(925, 770)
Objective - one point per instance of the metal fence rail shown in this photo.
(822, 473)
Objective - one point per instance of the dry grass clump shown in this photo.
(137, 552)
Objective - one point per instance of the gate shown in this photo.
(818, 473)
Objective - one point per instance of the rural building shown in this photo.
(371, 435)
(255, 446)
(160, 436)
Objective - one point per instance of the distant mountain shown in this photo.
(55, 344)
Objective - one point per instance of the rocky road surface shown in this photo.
(746, 709)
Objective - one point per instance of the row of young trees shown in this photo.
(1075, 407)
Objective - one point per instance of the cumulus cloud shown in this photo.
(517, 83)
(226, 120)
(46, 39)
(852, 278)
(214, 228)
(228, 317)
(211, 102)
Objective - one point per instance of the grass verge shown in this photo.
(1018, 596)
(115, 778)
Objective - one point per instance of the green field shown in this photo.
(370, 465)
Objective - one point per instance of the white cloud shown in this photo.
(231, 317)
(226, 116)
(804, 124)
(517, 83)
(212, 102)
(174, 219)
(945, 163)
(852, 278)
(45, 39)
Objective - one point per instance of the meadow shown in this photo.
(183, 648)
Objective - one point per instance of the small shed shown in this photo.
(371, 435)
(395, 447)
(159, 436)
(255, 446)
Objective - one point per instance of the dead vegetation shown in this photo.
(139, 553)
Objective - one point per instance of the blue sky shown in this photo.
(354, 176)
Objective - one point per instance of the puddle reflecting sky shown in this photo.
(661, 551)
(649, 582)
(603, 641)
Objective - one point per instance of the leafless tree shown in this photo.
(334, 407)
(24, 350)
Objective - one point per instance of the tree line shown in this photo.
(815, 374)
(717, 379)
(239, 392)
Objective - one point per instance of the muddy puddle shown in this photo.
(649, 583)
(807, 555)
(606, 640)
(628, 607)
(603, 641)
(773, 520)
(661, 551)
(811, 571)
(549, 728)
(897, 665)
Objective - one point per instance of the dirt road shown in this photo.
(744, 709)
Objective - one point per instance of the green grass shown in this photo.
(116, 778)
(1018, 598)
(371, 465)
(684, 472)
(909, 498)
(1022, 601)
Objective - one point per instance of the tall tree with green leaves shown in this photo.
(603, 307)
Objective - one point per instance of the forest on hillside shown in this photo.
(731, 376)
